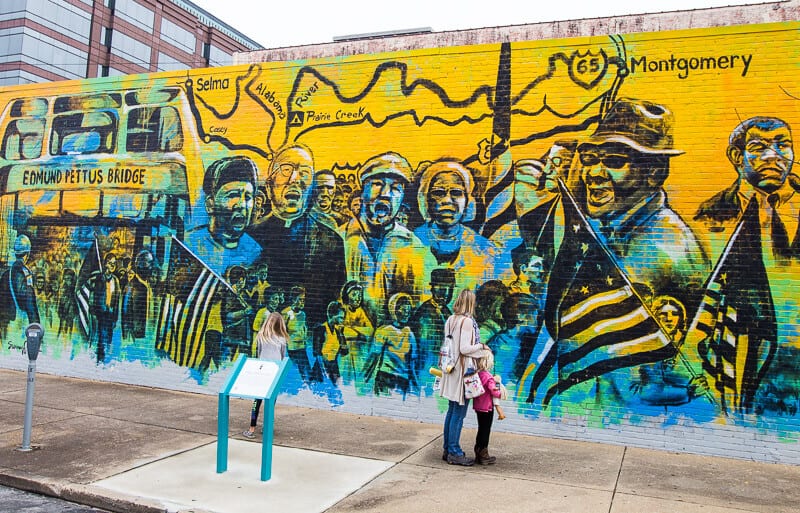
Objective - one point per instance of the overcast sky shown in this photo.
(276, 23)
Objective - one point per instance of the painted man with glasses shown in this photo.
(761, 151)
(299, 250)
(623, 168)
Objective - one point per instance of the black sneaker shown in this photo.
(462, 459)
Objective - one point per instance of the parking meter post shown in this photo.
(33, 341)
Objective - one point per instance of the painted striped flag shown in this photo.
(91, 268)
(598, 321)
(735, 329)
(186, 307)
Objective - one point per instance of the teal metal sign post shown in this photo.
(251, 379)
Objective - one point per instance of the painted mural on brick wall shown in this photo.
(624, 207)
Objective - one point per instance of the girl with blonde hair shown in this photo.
(484, 406)
(462, 342)
(271, 345)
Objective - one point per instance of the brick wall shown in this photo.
(630, 271)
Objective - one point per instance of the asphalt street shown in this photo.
(18, 501)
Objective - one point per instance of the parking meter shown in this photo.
(33, 342)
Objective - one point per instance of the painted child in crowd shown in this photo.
(296, 326)
(329, 341)
(358, 329)
(394, 350)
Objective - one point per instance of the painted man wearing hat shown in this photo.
(623, 167)
(23, 293)
(300, 250)
(428, 320)
(379, 252)
(229, 186)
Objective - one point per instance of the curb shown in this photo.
(87, 495)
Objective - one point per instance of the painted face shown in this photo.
(111, 265)
(274, 302)
(290, 182)
(557, 166)
(231, 209)
(534, 269)
(613, 184)
(402, 217)
(403, 311)
(670, 317)
(338, 319)
(767, 158)
(339, 200)
(381, 199)
(325, 185)
(299, 303)
(447, 199)
(442, 293)
(355, 204)
(354, 297)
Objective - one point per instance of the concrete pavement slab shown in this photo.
(82, 395)
(12, 415)
(719, 482)
(87, 448)
(624, 503)
(12, 381)
(302, 481)
(175, 410)
(448, 489)
(584, 464)
(347, 433)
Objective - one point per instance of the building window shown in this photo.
(104, 71)
(177, 36)
(107, 37)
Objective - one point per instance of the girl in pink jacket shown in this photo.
(484, 409)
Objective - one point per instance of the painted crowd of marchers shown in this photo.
(591, 288)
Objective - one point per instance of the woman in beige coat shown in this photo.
(462, 338)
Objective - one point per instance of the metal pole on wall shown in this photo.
(33, 341)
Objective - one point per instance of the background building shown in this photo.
(44, 40)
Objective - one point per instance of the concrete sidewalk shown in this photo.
(136, 449)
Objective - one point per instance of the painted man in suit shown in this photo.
(761, 151)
